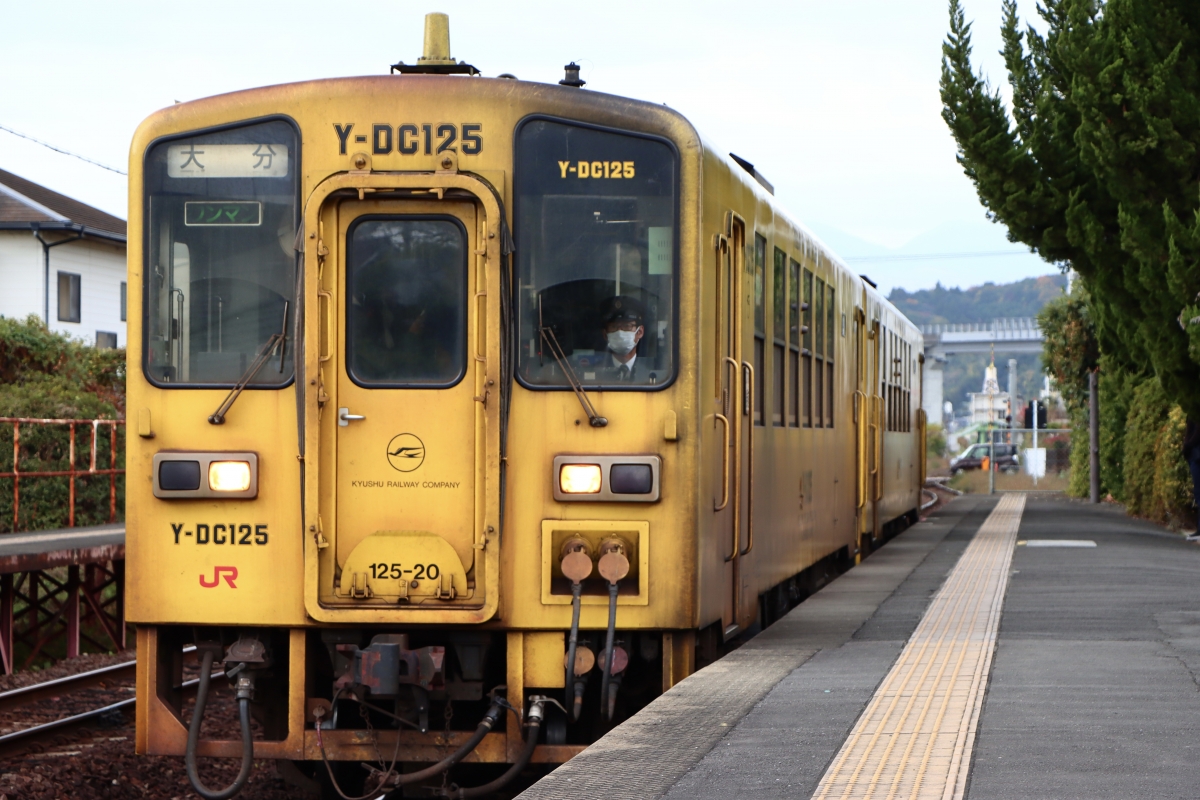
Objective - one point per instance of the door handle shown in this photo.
(748, 379)
(326, 325)
(724, 463)
(345, 417)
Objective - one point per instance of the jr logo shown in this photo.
(228, 573)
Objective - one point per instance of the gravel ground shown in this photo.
(99, 762)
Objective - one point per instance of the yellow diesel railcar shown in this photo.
(444, 384)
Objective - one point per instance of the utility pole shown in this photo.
(1094, 434)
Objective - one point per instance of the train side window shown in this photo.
(830, 317)
(806, 353)
(779, 330)
(819, 354)
(760, 329)
(885, 363)
(794, 384)
(406, 287)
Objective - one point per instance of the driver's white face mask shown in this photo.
(622, 342)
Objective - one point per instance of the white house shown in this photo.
(63, 261)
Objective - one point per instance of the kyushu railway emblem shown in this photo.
(405, 452)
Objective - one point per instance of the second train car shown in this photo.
(473, 413)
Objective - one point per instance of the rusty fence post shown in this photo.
(16, 476)
(71, 478)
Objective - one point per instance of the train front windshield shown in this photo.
(596, 244)
(220, 269)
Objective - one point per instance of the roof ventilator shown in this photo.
(572, 76)
(746, 165)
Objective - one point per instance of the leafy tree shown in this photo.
(1097, 167)
(1069, 349)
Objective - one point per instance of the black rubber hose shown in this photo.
(531, 737)
(206, 662)
(608, 647)
(494, 712)
(485, 726)
(573, 641)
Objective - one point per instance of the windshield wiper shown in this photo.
(547, 334)
(278, 341)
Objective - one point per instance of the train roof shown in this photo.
(617, 110)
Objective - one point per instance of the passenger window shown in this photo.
(806, 351)
(406, 302)
(779, 312)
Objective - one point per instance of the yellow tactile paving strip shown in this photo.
(915, 737)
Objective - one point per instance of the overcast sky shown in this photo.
(835, 102)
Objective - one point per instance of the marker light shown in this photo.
(579, 479)
(229, 476)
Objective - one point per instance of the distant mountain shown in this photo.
(984, 303)
(966, 251)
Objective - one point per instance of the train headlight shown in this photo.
(579, 479)
(180, 475)
(594, 478)
(229, 476)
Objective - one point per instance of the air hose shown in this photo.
(614, 565)
(576, 566)
(392, 779)
(245, 690)
(608, 648)
(572, 645)
(531, 737)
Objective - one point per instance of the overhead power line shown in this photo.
(938, 256)
(64, 152)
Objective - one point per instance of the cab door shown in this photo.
(404, 421)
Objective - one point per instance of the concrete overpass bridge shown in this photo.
(1007, 336)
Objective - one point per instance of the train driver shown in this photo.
(623, 329)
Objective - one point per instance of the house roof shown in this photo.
(27, 205)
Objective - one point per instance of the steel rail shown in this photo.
(18, 741)
(71, 683)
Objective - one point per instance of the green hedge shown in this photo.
(48, 375)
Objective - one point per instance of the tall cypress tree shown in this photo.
(1096, 164)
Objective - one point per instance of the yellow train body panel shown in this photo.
(429, 506)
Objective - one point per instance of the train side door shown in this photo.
(732, 422)
(866, 427)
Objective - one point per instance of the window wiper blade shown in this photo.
(277, 341)
(551, 341)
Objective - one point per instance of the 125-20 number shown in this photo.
(396, 571)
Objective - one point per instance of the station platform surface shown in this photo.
(20, 552)
(978, 655)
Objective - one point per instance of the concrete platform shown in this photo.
(21, 552)
(1093, 689)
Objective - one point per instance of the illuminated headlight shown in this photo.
(229, 476)
(594, 478)
(579, 478)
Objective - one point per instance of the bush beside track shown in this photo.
(49, 375)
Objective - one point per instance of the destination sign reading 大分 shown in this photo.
(217, 214)
(199, 160)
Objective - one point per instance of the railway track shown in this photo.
(21, 740)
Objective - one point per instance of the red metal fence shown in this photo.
(93, 425)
